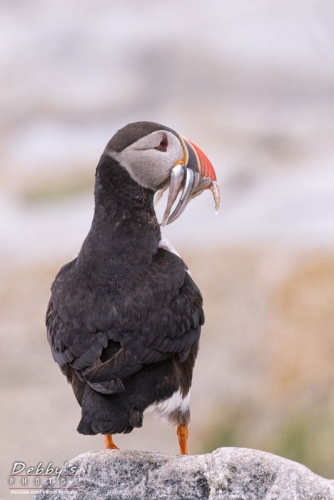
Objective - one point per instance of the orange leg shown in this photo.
(109, 443)
(182, 434)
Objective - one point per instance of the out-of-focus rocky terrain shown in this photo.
(226, 473)
(253, 85)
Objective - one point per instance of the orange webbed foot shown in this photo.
(109, 443)
(183, 434)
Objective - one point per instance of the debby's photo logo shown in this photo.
(28, 479)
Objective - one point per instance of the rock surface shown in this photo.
(225, 474)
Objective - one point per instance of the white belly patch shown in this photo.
(163, 243)
(175, 402)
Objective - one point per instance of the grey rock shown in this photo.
(225, 474)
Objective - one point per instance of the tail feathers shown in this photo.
(136, 418)
(102, 414)
(101, 426)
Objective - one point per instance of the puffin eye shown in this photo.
(163, 145)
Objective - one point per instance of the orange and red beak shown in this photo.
(190, 177)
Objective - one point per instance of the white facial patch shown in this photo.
(148, 166)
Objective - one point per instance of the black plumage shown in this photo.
(124, 318)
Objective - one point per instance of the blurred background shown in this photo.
(252, 83)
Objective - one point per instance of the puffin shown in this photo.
(124, 318)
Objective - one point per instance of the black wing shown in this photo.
(106, 333)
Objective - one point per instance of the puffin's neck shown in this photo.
(124, 224)
(117, 194)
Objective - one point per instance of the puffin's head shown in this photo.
(157, 158)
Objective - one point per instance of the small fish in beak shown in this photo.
(191, 177)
